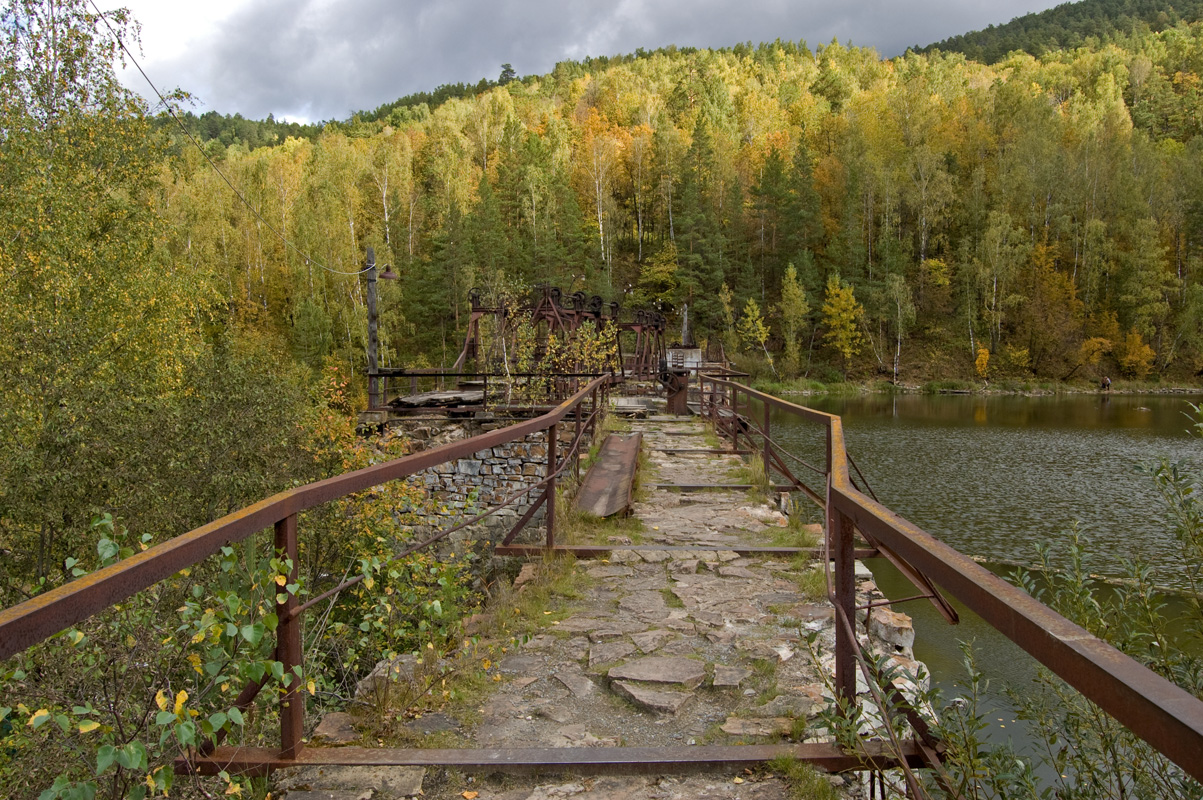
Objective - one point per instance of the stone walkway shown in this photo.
(663, 648)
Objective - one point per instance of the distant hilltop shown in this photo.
(1070, 25)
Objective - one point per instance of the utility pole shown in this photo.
(373, 367)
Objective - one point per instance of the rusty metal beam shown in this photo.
(578, 760)
(601, 551)
(705, 487)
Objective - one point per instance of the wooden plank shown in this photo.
(606, 489)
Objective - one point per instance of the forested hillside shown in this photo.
(1070, 25)
(1040, 218)
(1047, 210)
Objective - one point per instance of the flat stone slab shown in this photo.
(737, 572)
(769, 726)
(655, 700)
(521, 664)
(605, 635)
(337, 727)
(387, 783)
(662, 669)
(729, 676)
(610, 572)
(606, 652)
(652, 640)
(579, 685)
(645, 604)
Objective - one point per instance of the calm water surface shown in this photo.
(994, 475)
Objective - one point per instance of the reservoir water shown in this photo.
(992, 476)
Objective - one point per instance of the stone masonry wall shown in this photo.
(469, 486)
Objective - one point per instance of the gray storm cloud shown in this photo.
(321, 59)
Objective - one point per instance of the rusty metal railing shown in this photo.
(1164, 715)
(41, 617)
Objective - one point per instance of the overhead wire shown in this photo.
(222, 175)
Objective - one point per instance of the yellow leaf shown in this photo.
(181, 697)
(281, 580)
(39, 716)
(311, 686)
(198, 637)
(468, 795)
(161, 700)
(88, 725)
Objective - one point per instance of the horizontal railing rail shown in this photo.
(1164, 715)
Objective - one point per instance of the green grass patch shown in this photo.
(812, 583)
(670, 599)
(805, 782)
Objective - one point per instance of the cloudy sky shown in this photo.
(312, 60)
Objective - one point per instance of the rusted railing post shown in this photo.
(549, 508)
(839, 529)
(767, 446)
(288, 645)
(576, 465)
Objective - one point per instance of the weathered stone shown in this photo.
(729, 676)
(517, 664)
(688, 566)
(578, 684)
(645, 604)
(557, 714)
(609, 571)
(709, 618)
(653, 700)
(609, 651)
(892, 627)
(604, 635)
(737, 572)
(400, 669)
(861, 572)
(800, 701)
(724, 636)
(727, 555)
(336, 728)
(768, 726)
(651, 640)
(322, 794)
(582, 624)
(660, 669)
(766, 515)
(391, 783)
(527, 574)
(468, 466)
(624, 557)
(654, 556)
